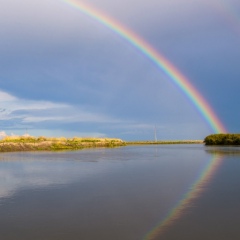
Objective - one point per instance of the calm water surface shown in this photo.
(172, 192)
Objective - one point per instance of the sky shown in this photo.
(62, 73)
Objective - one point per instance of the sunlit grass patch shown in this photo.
(30, 143)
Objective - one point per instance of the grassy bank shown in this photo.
(222, 139)
(165, 142)
(29, 143)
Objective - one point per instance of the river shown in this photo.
(167, 192)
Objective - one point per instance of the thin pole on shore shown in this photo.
(155, 133)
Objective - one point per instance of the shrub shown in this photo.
(222, 139)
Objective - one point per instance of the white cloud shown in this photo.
(2, 134)
(29, 111)
(5, 97)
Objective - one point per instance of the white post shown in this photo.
(155, 133)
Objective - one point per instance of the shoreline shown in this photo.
(27, 144)
(165, 142)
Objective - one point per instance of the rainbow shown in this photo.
(195, 191)
(162, 63)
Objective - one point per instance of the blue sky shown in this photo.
(64, 74)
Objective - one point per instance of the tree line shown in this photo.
(222, 139)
